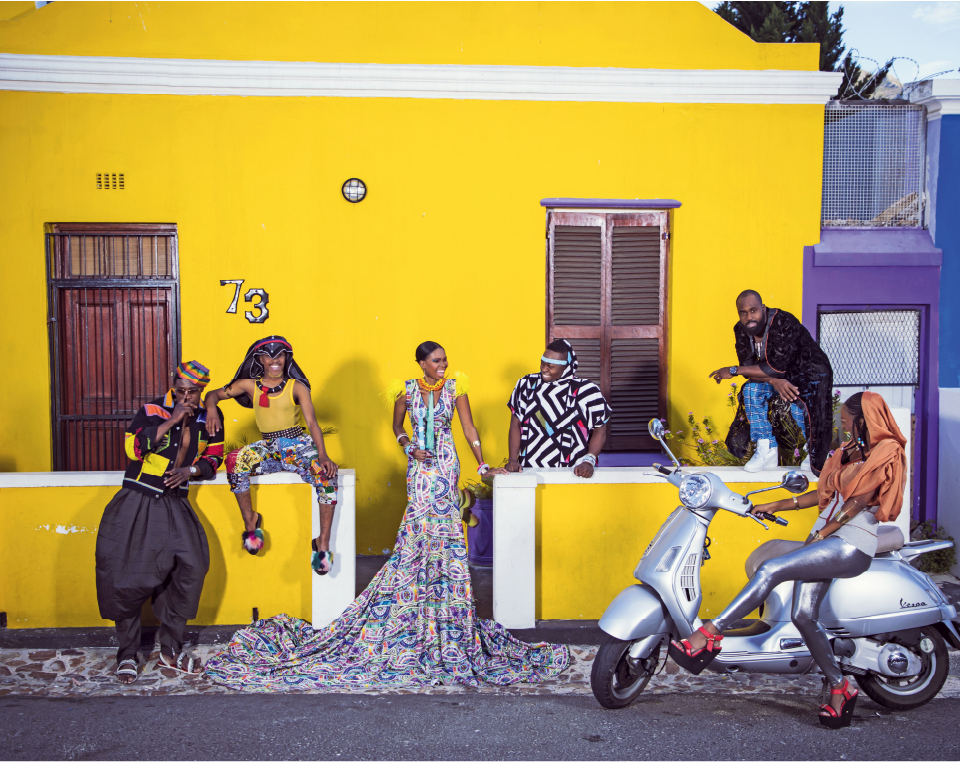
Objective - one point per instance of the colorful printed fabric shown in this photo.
(556, 418)
(194, 372)
(151, 456)
(756, 399)
(271, 456)
(415, 624)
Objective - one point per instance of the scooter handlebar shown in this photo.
(772, 517)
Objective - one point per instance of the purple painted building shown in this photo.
(876, 271)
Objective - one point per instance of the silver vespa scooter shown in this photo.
(887, 626)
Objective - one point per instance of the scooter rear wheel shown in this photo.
(616, 679)
(910, 692)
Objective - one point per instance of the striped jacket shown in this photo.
(151, 456)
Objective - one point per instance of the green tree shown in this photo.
(805, 22)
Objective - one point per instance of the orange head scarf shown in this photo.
(884, 469)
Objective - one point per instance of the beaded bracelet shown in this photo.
(482, 469)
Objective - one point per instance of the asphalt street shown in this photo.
(341, 727)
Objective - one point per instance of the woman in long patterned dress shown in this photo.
(416, 623)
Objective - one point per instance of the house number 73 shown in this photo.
(254, 293)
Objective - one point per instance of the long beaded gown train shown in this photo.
(416, 623)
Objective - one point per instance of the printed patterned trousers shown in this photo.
(271, 456)
(756, 398)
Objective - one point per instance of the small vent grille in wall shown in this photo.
(110, 181)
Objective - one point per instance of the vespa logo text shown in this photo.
(911, 605)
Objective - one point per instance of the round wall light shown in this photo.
(354, 190)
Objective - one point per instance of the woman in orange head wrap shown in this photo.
(860, 485)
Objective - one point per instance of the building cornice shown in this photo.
(940, 96)
(168, 76)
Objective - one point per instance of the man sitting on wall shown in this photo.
(150, 542)
(557, 419)
(777, 355)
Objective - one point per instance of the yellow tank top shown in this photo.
(283, 413)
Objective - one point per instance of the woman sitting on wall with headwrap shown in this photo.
(270, 381)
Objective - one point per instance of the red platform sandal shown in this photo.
(695, 661)
(829, 717)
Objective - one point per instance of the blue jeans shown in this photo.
(756, 398)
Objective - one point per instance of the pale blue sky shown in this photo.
(928, 32)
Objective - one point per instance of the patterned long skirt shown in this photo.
(414, 625)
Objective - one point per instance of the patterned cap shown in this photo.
(194, 372)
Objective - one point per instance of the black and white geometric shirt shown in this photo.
(556, 418)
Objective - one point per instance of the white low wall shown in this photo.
(948, 487)
(332, 593)
(514, 517)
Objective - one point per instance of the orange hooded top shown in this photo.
(884, 468)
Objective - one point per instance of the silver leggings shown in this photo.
(813, 567)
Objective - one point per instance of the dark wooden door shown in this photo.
(116, 337)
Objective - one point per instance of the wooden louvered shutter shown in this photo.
(606, 294)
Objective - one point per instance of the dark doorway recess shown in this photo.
(114, 334)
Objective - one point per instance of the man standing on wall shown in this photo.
(777, 355)
(150, 541)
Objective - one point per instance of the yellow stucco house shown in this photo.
(151, 151)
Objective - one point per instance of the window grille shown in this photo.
(880, 348)
(873, 159)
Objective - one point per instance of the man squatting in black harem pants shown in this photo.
(150, 542)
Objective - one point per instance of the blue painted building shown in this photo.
(941, 97)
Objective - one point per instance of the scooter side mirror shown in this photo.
(796, 482)
(655, 428)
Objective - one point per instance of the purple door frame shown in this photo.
(879, 269)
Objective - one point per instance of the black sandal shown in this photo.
(253, 541)
(319, 557)
(127, 668)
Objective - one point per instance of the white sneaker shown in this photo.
(765, 456)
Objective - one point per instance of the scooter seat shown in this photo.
(889, 538)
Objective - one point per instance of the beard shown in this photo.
(759, 328)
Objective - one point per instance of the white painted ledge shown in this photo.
(940, 96)
(26, 479)
(646, 475)
(172, 76)
(331, 594)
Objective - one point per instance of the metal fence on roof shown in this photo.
(873, 161)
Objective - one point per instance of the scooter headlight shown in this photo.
(695, 490)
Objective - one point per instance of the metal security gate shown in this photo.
(115, 334)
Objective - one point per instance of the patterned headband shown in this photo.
(194, 372)
(264, 347)
(544, 358)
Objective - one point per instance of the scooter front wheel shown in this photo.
(615, 678)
